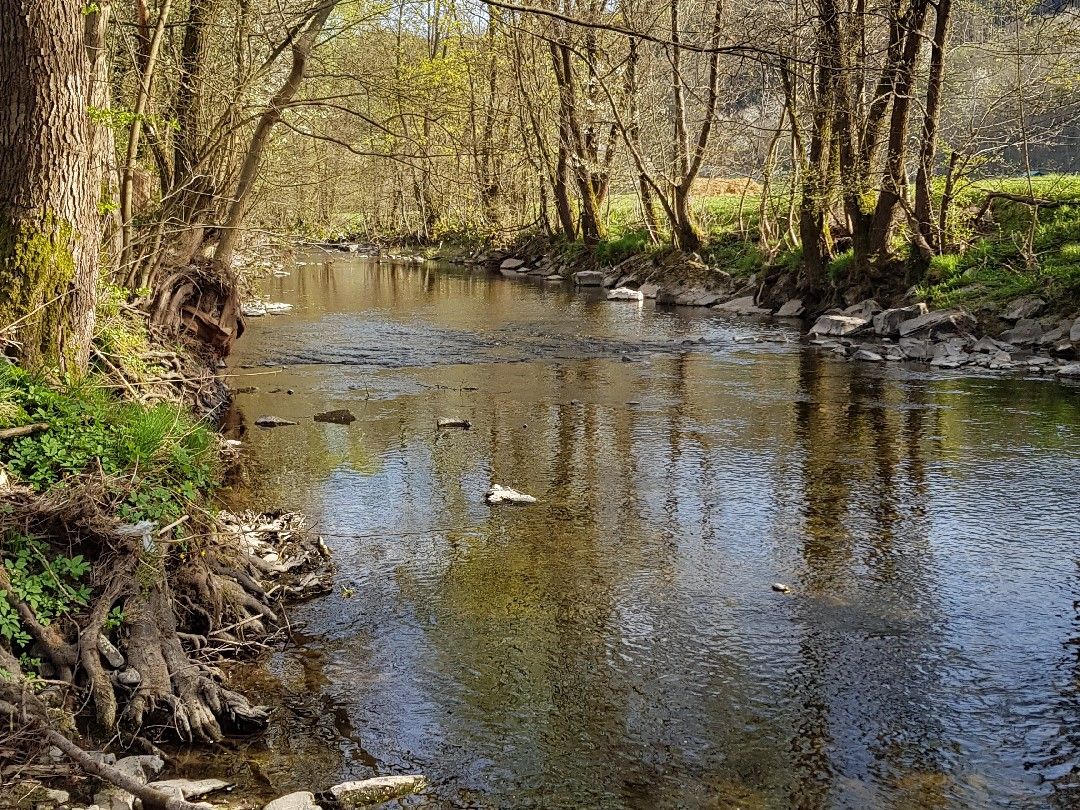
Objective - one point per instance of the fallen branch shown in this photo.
(23, 430)
(1033, 202)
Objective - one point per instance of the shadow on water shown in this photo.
(618, 644)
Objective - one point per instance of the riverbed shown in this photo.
(620, 643)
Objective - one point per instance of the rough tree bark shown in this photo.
(48, 191)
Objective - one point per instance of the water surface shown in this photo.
(619, 643)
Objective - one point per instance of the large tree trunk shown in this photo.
(924, 205)
(48, 221)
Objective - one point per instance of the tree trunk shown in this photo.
(924, 206)
(48, 191)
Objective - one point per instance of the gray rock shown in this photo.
(511, 264)
(864, 309)
(376, 791)
(780, 587)
(1001, 360)
(941, 321)
(141, 768)
(1071, 370)
(741, 306)
(838, 325)
(193, 788)
(588, 278)
(129, 677)
(109, 652)
(649, 290)
(1026, 307)
(1074, 331)
(304, 800)
(887, 323)
(1055, 335)
(867, 356)
(988, 345)
(1026, 332)
(339, 417)
(792, 309)
(625, 294)
(113, 798)
(273, 421)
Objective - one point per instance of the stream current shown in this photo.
(619, 644)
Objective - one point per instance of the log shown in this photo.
(23, 430)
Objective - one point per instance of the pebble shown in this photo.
(780, 587)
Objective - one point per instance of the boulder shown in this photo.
(376, 791)
(1071, 370)
(1074, 331)
(1055, 335)
(511, 264)
(887, 322)
(275, 308)
(1027, 307)
(499, 494)
(868, 356)
(253, 310)
(588, 278)
(650, 290)
(342, 416)
(838, 325)
(1026, 332)
(273, 421)
(940, 321)
(792, 309)
(917, 348)
(303, 800)
(625, 294)
(741, 306)
(988, 345)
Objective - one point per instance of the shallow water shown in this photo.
(619, 643)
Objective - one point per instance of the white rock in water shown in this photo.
(277, 308)
(376, 791)
(273, 421)
(780, 587)
(304, 800)
(192, 788)
(255, 310)
(498, 494)
(453, 422)
(625, 294)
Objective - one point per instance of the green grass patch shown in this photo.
(159, 458)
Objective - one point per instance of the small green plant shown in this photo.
(49, 584)
(841, 265)
(115, 619)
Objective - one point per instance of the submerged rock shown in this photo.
(339, 417)
(500, 494)
(780, 587)
(273, 308)
(868, 356)
(273, 421)
(741, 306)
(625, 294)
(453, 422)
(303, 800)
(376, 791)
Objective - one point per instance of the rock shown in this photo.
(916, 349)
(990, 346)
(887, 323)
(864, 309)
(650, 290)
(625, 294)
(453, 422)
(1055, 335)
(273, 308)
(114, 799)
(838, 325)
(741, 306)
(780, 587)
(273, 421)
(253, 310)
(511, 264)
(940, 321)
(1000, 360)
(868, 356)
(193, 788)
(1071, 370)
(304, 800)
(1074, 331)
(1026, 332)
(376, 791)
(1021, 308)
(129, 677)
(588, 278)
(499, 494)
(792, 309)
(342, 416)
(109, 652)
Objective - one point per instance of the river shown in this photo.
(619, 644)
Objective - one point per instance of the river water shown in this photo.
(619, 643)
